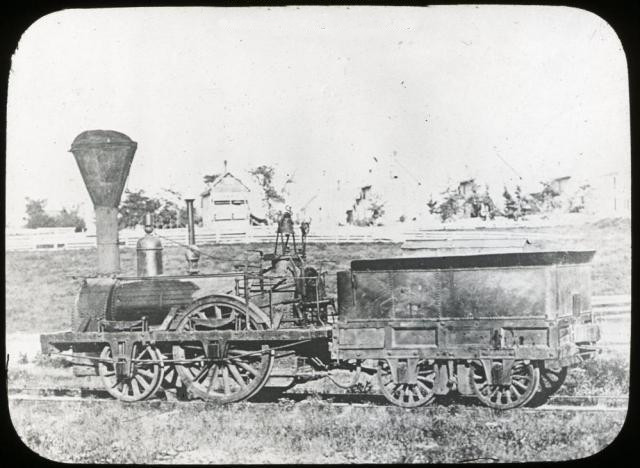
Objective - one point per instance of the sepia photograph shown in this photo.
(318, 235)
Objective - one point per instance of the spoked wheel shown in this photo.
(405, 394)
(237, 375)
(551, 379)
(522, 385)
(146, 377)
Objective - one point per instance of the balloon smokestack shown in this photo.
(104, 158)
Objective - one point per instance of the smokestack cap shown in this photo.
(104, 158)
(100, 138)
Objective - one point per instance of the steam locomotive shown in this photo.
(502, 328)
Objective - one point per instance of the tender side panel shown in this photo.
(470, 335)
(574, 286)
(475, 293)
(412, 337)
(415, 294)
(373, 295)
(444, 313)
(526, 336)
(512, 292)
(371, 338)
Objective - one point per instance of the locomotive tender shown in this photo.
(503, 327)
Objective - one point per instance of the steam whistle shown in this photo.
(193, 254)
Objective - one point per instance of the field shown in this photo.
(40, 291)
(311, 431)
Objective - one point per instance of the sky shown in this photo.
(506, 94)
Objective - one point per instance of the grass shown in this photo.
(312, 431)
(607, 374)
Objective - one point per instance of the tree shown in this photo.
(210, 178)
(473, 203)
(71, 218)
(548, 199)
(134, 206)
(36, 215)
(272, 197)
(173, 211)
(480, 205)
(489, 208)
(168, 213)
(518, 205)
(377, 208)
(511, 207)
(451, 204)
(577, 200)
(433, 206)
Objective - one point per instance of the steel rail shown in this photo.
(174, 403)
(375, 400)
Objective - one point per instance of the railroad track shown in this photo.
(603, 403)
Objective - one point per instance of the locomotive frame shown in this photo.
(501, 327)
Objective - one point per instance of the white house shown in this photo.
(225, 202)
(609, 194)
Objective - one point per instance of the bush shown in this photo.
(607, 375)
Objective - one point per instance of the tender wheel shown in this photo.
(408, 395)
(551, 379)
(521, 388)
(238, 375)
(147, 374)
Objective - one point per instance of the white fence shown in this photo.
(415, 239)
(611, 307)
(257, 234)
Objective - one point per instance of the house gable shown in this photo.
(225, 199)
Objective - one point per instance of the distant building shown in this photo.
(609, 194)
(465, 188)
(604, 195)
(561, 185)
(225, 202)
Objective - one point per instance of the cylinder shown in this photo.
(104, 158)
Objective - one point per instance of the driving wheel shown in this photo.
(243, 368)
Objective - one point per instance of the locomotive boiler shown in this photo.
(502, 328)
